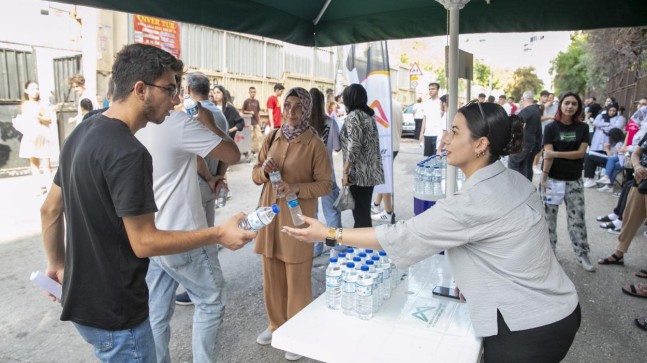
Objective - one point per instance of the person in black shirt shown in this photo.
(565, 143)
(104, 191)
(522, 162)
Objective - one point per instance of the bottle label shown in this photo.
(255, 222)
(333, 281)
(364, 290)
(293, 203)
(349, 287)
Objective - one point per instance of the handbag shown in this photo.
(345, 200)
(642, 187)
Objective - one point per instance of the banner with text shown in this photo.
(161, 33)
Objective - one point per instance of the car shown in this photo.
(408, 124)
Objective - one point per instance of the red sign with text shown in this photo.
(161, 33)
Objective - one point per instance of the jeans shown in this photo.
(522, 162)
(430, 145)
(208, 203)
(129, 345)
(332, 215)
(592, 161)
(613, 167)
(199, 271)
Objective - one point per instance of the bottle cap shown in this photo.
(369, 251)
(357, 259)
(349, 250)
(333, 259)
(350, 265)
(341, 255)
(375, 258)
(275, 209)
(364, 268)
(370, 262)
(382, 253)
(362, 255)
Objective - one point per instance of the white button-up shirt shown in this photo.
(496, 238)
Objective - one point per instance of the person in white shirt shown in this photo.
(503, 101)
(77, 83)
(496, 240)
(432, 123)
(418, 115)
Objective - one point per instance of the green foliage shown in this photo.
(570, 67)
(441, 77)
(524, 79)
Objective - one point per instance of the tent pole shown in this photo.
(453, 6)
(321, 12)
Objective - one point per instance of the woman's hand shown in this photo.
(316, 231)
(345, 180)
(549, 154)
(457, 291)
(269, 166)
(284, 188)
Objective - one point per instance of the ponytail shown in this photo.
(515, 144)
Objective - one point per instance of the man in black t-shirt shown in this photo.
(104, 189)
(522, 162)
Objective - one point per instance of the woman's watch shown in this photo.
(331, 240)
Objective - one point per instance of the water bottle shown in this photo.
(436, 175)
(418, 186)
(364, 292)
(377, 288)
(333, 285)
(348, 287)
(222, 198)
(358, 263)
(259, 218)
(275, 179)
(295, 208)
(350, 253)
(362, 256)
(429, 187)
(190, 106)
(341, 259)
(384, 287)
(388, 273)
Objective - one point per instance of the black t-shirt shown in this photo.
(532, 129)
(566, 138)
(105, 174)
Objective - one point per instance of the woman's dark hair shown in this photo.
(86, 104)
(615, 136)
(25, 95)
(490, 120)
(578, 114)
(225, 97)
(355, 98)
(318, 113)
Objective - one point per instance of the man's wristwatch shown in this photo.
(331, 240)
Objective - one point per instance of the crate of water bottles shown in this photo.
(429, 182)
(358, 281)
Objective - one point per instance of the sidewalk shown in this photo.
(32, 332)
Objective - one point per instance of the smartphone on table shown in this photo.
(445, 292)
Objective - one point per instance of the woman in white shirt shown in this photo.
(494, 231)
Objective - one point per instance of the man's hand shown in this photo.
(219, 185)
(56, 274)
(234, 237)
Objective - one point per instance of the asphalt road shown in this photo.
(30, 330)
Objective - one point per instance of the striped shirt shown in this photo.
(360, 143)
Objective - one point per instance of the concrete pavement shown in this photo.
(30, 330)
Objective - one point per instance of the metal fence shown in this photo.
(16, 68)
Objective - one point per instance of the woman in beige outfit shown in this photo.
(300, 155)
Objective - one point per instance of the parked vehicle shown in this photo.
(408, 124)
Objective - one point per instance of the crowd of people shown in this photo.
(137, 183)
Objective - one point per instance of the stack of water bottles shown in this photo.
(358, 281)
(431, 174)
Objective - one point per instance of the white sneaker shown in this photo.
(264, 338)
(604, 180)
(606, 189)
(292, 356)
(375, 209)
(536, 170)
(585, 263)
(589, 183)
(384, 216)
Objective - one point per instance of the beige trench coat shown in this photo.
(304, 162)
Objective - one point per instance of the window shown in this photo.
(16, 68)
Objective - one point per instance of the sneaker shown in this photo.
(589, 183)
(603, 180)
(292, 356)
(617, 194)
(607, 218)
(382, 217)
(264, 338)
(375, 208)
(183, 299)
(606, 189)
(536, 170)
(585, 263)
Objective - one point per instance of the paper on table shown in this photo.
(47, 283)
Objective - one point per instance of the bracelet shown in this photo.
(332, 233)
(338, 237)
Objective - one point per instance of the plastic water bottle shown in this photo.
(348, 287)
(358, 263)
(362, 256)
(333, 285)
(275, 179)
(429, 182)
(295, 208)
(350, 253)
(222, 198)
(259, 218)
(437, 189)
(341, 259)
(190, 106)
(364, 292)
(377, 288)
(380, 270)
(389, 272)
(419, 186)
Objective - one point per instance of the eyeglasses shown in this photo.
(171, 90)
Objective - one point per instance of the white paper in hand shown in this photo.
(47, 283)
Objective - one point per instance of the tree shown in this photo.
(570, 67)
(524, 79)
